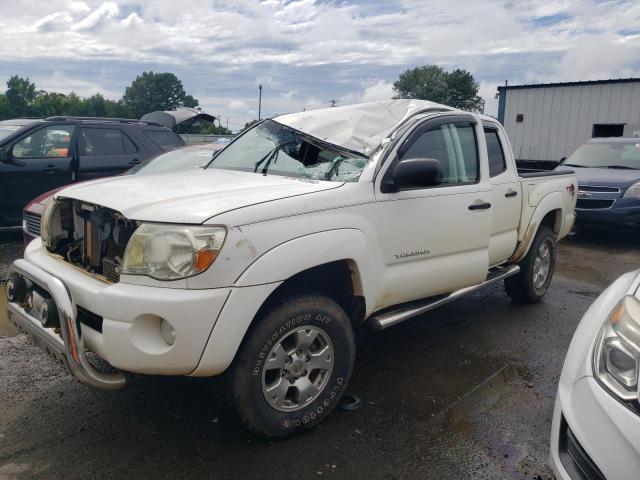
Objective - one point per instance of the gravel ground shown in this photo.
(465, 391)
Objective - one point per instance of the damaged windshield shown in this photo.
(274, 149)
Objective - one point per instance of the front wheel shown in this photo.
(536, 269)
(293, 366)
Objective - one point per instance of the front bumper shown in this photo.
(625, 213)
(607, 432)
(126, 327)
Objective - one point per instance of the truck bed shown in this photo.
(536, 172)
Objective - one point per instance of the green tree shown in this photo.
(249, 124)
(189, 101)
(457, 89)
(155, 91)
(21, 93)
(48, 104)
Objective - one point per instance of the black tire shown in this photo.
(521, 287)
(279, 323)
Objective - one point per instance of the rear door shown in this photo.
(43, 160)
(435, 239)
(104, 151)
(506, 198)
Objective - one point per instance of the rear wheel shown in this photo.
(536, 269)
(293, 367)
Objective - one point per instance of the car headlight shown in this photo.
(616, 358)
(633, 191)
(171, 252)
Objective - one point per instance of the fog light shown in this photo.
(168, 332)
(17, 290)
(49, 314)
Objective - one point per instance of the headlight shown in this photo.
(46, 231)
(617, 354)
(633, 191)
(171, 252)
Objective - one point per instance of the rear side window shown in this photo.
(497, 162)
(164, 140)
(454, 144)
(105, 141)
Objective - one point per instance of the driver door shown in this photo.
(435, 239)
(42, 160)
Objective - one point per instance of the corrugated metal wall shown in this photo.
(558, 119)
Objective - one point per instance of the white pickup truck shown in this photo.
(263, 264)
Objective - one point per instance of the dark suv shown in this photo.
(38, 155)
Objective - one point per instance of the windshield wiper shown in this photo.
(268, 155)
(622, 167)
(571, 165)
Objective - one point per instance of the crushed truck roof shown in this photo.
(361, 127)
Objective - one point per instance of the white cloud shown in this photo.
(381, 90)
(306, 52)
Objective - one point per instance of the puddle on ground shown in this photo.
(475, 422)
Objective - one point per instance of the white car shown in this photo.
(596, 422)
(302, 228)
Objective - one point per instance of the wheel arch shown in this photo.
(333, 263)
(549, 213)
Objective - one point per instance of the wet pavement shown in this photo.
(465, 391)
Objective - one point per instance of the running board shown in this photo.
(389, 318)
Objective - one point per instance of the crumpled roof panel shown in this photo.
(360, 127)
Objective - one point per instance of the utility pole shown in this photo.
(259, 101)
(227, 123)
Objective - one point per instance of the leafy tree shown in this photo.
(155, 91)
(457, 89)
(21, 93)
(249, 124)
(49, 104)
(189, 101)
(5, 109)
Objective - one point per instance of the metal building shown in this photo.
(548, 121)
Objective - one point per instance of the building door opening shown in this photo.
(608, 130)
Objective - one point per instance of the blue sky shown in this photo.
(306, 52)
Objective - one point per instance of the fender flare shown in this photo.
(551, 202)
(254, 286)
(312, 250)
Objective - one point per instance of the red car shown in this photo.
(194, 156)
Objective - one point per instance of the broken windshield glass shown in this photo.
(274, 149)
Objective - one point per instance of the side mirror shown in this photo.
(413, 173)
(6, 157)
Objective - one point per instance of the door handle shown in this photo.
(50, 169)
(135, 161)
(511, 193)
(480, 206)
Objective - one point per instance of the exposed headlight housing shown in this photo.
(47, 230)
(633, 191)
(172, 252)
(616, 360)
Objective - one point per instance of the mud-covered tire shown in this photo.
(249, 377)
(526, 286)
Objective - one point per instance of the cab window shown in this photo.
(52, 141)
(455, 146)
(497, 162)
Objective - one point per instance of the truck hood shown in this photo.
(191, 196)
(605, 177)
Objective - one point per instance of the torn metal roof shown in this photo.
(361, 127)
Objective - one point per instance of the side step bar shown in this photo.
(381, 321)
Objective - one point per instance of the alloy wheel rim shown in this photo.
(297, 368)
(541, 265)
